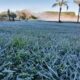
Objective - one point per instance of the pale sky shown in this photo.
(34, 5)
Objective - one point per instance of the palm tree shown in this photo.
(78, 2)
(60, 3)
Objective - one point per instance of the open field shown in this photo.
(37, 50)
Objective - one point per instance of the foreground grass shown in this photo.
(39, 54)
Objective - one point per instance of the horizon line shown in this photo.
(13, 10)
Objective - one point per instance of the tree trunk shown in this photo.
(60, 14)
(78, 14)
(9, 18)
(13, 19)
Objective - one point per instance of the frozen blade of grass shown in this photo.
(5, 48)
(54, 74)
(1, 51)
(9, 74)
(42, 75)
(7, 71)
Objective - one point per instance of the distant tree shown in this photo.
(8, 12)
(13, 16)
(60, 3)
(33, 17)
(23, 15)
(78, 3)
(3, 15)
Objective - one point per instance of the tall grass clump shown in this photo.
(18, 42)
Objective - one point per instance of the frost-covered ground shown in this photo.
(36, 50)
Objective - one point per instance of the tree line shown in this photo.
(19, 15)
